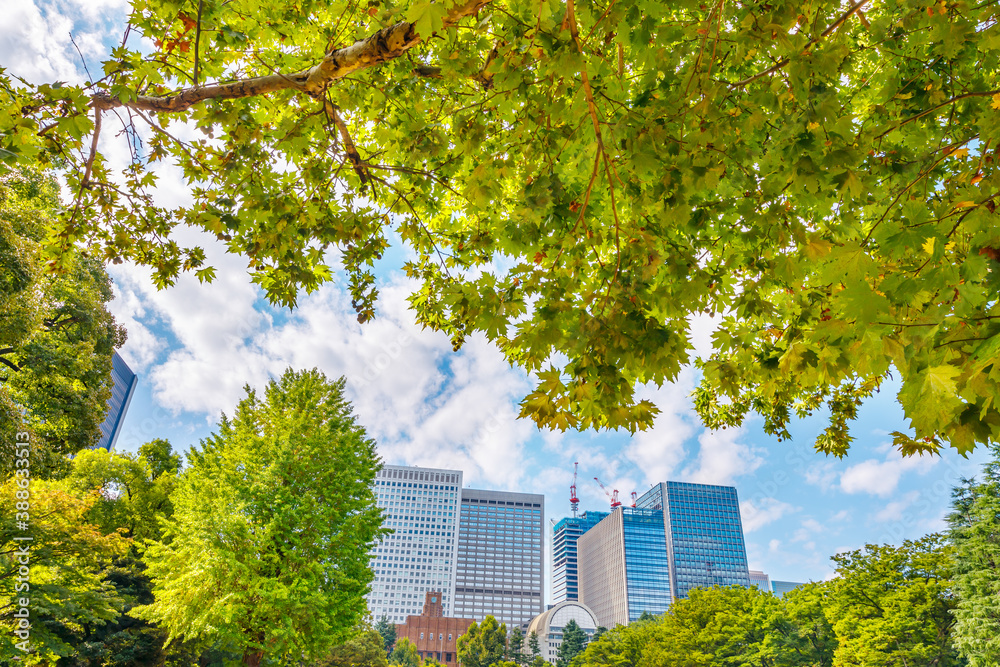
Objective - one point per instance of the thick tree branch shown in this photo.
(384, 45)
(10, 364)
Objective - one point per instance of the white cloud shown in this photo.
(757, 514)
(659, 450)
(881, 478)
(823, 475)
(894, 510)
(809, 527)
(722, 457)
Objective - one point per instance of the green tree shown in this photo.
(515, 647)
(68, 557)
(273, 521)
(975, 534)
(892, 605)
(56, 334)
(621, 646)
(809, 632)
(364, 649)
(598, 632)
(574, 640)
(483, 644)
(387, 631)
(405, 654)
(533, 644)
(821, 176)
(132, 498)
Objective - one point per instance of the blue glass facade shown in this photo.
(121, 394)
(647, 572)
(704, 535)
(565, 570)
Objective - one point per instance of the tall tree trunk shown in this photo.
(253, 659)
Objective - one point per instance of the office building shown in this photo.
(678, 537)
(760, 580)
(565, 575)
(433, 634)
(624, 570)
(704, 533)
(422, 508)
(500, 557)
(779, 588)
(124, 381)
(549, 626)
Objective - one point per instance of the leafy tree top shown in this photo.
(822, 177)
(273, 522)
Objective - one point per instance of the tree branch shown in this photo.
(386, 44)
(826, 33)
(360, 168)
(10, 364)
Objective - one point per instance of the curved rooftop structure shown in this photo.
(549, 625)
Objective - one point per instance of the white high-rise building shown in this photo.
(422, 507)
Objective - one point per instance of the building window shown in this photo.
(421, 635)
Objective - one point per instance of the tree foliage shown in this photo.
(576, 179)
(273, 523)
(68, 559)
(405, 654)
(515, 647)
(364, 649)
(887, 605)
(574, 640)
(387, 631)
(892, 605)
(56, 334)
(483, 644)
(975, 533)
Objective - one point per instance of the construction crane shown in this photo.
(634, 496)
(613, 497)
(574, 502)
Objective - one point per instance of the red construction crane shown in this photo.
(634, 496)
(613, 497)
(574, 502)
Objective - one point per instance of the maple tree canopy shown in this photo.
(576, 179)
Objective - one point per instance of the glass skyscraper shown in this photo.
(121, 395)
(704, 534)
(647, 572)
(679, 536)
(422, 507)
(565, 575)
(500, 557)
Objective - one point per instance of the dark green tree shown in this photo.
(515, 647)
(268, 547)
(975, 534)
(387, 630)
(56, 334)
(483, 644)
(574, 640)
(533, 646)
(598, 632)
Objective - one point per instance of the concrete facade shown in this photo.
(500, 556)
(602, 571)
(422, 507)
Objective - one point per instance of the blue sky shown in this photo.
(195, 346)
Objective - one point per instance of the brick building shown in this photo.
(434, 634)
